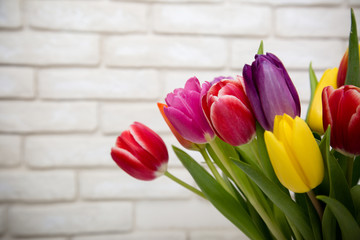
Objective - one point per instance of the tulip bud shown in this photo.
(341, 110)
(185, 143)
(140, 152)
(314, 118)
(294, 154)
(228, 110)
(270, 90)
(341, 77)
(185, 114)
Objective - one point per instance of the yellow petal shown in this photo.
(282, 164)
(314, 118)
(276, 125)
(307, 153)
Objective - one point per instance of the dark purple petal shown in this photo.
(253, 95)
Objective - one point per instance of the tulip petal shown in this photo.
(193, 84)
(272, 93)
(307, 153)
(127, 142)
(253, 96)
(354, 132)
(230, 109)
(327, 117)
(151, 142)
(282, 164)
(130, 164)
(185, 125)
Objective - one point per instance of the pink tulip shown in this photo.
(140, 152)
(228, 110)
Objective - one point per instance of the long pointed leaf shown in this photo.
(219, 197)
(280, 199)
(313, 84)
(349, 228)
(353, 70)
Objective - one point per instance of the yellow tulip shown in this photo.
(294, 154)
(314, 118)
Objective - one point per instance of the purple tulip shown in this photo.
(270, 90)
(185, 113)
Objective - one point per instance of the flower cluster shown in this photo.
(258, 150)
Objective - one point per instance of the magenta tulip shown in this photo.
(228, 110)
(140, 152)
(185, 114)
(341, 110)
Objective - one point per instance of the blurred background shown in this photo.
(74, 74)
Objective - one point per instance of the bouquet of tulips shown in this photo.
(269, 172)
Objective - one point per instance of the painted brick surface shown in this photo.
(75, 74)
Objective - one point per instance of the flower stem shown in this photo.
(185, 185)
(316, 203)
(246, 188)
(215, 172)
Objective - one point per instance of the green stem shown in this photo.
(316, 203)
(349, 169)
(185, 185)
(215, 172)
(245, 187)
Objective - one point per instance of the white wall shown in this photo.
(74, 74)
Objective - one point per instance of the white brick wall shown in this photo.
(74, 74)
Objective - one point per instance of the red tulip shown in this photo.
(140, 152)
(228, 110)
(343, 69)
(341, 110)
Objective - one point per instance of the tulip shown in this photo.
(314, 118)
(228, 110)
(294, 154)
(185, 143)
(140, 152)
(341, 110)
(185, 114)
(270, 90)
(341, 77)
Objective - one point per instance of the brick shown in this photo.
(10, 149)
(192, 215)
(118, 185)
(47, 117)
(179, 1)
(293, 2)
(228, 20)
(99, 84)
(354, 2)
(44, 48)
(68, 219)
(37, 186)
(88, 16)
(10, 14)
(312, 22)
(217, 235)
(115, 118)
(3, 213)
(49, 238)
(295, 54)
(158, 235)
(16, 82)
(161, 51)
(43, 151)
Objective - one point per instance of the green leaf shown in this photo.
(353, 70)
(219, 197)
(280, 199)
(329, 225)
(356, 171)
(355, 194)
(313, 84)
(349, 227)
(339, 188)
(261, 48)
